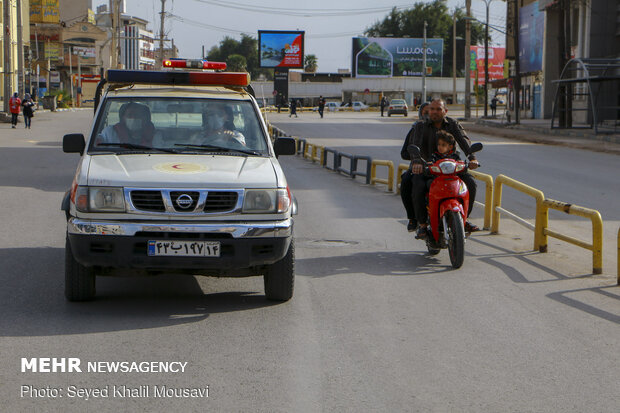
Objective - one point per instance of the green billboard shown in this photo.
(387, 56)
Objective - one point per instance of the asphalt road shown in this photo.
(375, 323)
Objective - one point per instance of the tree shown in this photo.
(246, 48)
(410, 23)
(310, 63)
(236, 63)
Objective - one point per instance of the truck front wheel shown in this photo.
(79, 280)
(280, 277)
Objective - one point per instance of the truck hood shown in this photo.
(188, 171)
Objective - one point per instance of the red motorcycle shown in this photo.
(448, 203)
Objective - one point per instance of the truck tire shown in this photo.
(280, 277)
(79, 280)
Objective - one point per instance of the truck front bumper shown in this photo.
(119, 244)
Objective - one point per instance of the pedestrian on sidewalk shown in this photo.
(321, 105)
(14, 104)
(28, 110)
(493, 105)
(383, 104)
(293, 108)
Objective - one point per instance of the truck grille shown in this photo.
(174, 195)
(148, 201)
(220, 201)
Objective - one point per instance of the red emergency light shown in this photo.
(193, 64)
(235, 79)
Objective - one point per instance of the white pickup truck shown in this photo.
(178, 174)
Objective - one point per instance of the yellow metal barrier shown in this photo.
(597, 230)
(401, 168)
(319, 158)
(488, 197)
(542, 214)
(373, 172)
(308, 150)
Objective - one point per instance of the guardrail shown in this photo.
(597, 230)
(528, 190)
(327, 151)
(540, 227)
(339, 167)
(488, 196)
(355, 172)
(373, 174)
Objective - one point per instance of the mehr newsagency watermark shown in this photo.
(76, 366)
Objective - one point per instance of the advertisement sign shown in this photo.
(44, 11)
(497, 55)
(387, 56)
(53, 51)
(84, 51)
(531, 35)
(281, 49)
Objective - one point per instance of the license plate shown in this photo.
(184, 248)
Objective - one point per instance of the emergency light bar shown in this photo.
(193, 64)
(236, 79)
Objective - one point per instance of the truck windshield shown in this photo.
(179, 125)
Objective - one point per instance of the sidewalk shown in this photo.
(539, 131)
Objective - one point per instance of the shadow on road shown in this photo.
(45, 169)
(33, 302)
(578, 300)
(396, 263)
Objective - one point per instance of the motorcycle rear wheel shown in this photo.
(456, 239)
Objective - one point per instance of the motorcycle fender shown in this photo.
(451, 205)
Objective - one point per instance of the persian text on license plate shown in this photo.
(184, 248)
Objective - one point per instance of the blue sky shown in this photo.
(204, 23)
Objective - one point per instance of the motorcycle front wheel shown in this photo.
(456, 238)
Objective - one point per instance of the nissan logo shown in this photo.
(184, 201)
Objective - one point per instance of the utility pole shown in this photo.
(424, 65)
(162, 17)
(7, 55)
(468, 60)
(113, 54)
(20, 48)
(454, 57)
(517, 82)
(486, 61)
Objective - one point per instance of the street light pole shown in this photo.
(468, 61)
(486, 60)
(454, 58)
(424, 66)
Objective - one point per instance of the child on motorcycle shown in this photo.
(446, 148)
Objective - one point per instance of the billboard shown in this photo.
(497, 55)
(388, 56)
(531, 35)
(44, 11)
(281, 49)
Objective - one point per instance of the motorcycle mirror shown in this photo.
(414, 150)
(476, 147)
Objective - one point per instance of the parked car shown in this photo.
(397, 106)
(358, 106)
(332, 106)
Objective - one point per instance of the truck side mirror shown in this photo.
(73, 143)
(284, 146)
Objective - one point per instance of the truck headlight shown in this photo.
(261, 201)
(99, 199)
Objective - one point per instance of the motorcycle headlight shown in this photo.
(99, 199)
(447, 167)
(266, 201)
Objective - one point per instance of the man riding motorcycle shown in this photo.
(425, 138)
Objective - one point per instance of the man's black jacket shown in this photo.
(423, 135)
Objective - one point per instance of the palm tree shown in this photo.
(310, 63)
